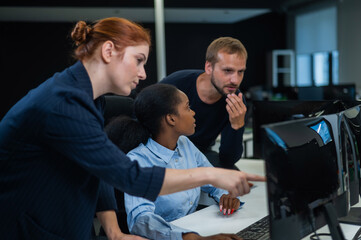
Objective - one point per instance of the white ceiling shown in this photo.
(171, 15)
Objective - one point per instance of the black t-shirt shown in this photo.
(211, 119)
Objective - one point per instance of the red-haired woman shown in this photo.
(56, 162)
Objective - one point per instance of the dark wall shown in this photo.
(260, 35)
(32, 52)
(187, 43)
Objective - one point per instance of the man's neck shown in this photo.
(206, 91)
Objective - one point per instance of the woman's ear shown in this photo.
(108, 50)
(169, 118)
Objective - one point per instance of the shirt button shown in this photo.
(191, 203)
(176, 160)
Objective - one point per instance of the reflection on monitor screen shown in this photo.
(302, 176)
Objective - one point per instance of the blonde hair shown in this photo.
(225, 44)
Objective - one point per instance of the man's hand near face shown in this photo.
(236, 110)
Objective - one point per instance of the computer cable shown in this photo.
(316, 236)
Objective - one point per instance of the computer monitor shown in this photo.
(265, 112)
(346, 92)
(303, 177)
(351, 149)
(310, 93)
(285, 93)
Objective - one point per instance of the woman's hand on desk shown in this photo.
(227, 204)
(221, 236)
(236, 182)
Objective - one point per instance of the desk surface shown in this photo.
(210, 220)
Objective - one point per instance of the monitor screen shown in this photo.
(302, 175)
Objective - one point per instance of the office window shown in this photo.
(303, 62)
(317, 69)
(335, 79)
(321, 69)
(316, 47)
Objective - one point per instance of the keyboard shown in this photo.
(256, 231)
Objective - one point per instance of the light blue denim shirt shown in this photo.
(152, 219)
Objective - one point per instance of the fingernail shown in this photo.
(224, 212)
(232, 211)
(220, 208)
(229, 211)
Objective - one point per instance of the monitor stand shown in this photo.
(353, 217)
(332, 222)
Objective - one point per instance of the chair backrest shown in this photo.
(116, 105)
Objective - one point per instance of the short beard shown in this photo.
(217, 88)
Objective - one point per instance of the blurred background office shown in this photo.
(298, 49)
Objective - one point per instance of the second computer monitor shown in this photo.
(265, 112)
(350, 133)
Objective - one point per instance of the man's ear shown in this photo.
(208, 68)
(108, 50)
(169, 118)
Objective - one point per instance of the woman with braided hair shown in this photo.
(57, 165)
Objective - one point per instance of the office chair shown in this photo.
(115, 106)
